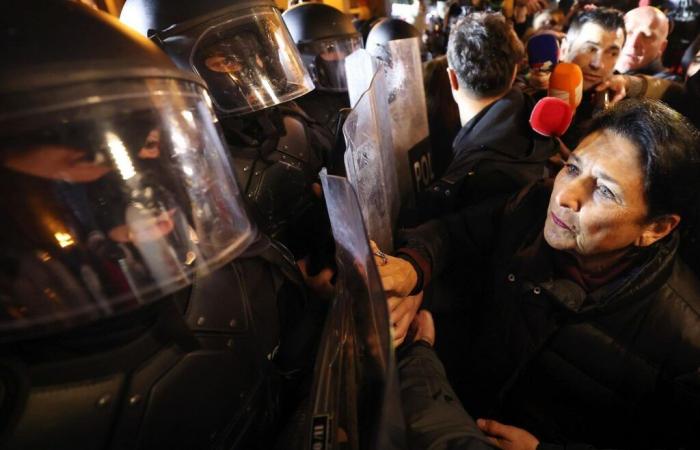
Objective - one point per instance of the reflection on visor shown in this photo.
(249, 63)
(107, 213)
(325, 61)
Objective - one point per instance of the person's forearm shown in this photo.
(648, 86)
(434, 416)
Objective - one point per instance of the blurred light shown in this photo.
(191, 256)
(258, 96)
(188, 170)
(44, 256)
(268, 87)
(120, 156)
(178, 138)
(189, 117)
(207, 99)
(64, 239)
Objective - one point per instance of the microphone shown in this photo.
(566, 83)
(551, 117)
(542, 52)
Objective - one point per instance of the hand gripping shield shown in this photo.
(355, 401)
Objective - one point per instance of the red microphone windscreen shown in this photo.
(551, 117)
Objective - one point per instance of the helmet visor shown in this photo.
(325, 61)
(250, 62)
(112, 201)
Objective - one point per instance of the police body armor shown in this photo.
(245, 55)
(193, 371)
(277, 155)
(324, 108)
(139, 306)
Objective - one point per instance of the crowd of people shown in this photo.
(560, 270)
(168, 260)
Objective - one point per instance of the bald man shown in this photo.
(647, 31)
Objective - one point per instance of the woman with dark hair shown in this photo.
(590, 328)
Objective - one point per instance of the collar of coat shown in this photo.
(652, 267)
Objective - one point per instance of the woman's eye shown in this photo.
(571, 169)
(607, 193)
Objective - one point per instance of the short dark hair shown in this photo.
(483, 50)
(610, 19)
(668, 153)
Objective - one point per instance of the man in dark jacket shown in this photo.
(591, 329)
(496, 152)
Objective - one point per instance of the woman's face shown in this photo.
(597, 204)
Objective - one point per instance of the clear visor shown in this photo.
(325, 60)
(112, 202)
(250, 62)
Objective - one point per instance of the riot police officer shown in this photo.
(244, 53)
(389, 29)
(129, 266)
(324, 37)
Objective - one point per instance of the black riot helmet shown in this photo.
(324, 37)
(389, 30)
(242, 50)
(115, 186)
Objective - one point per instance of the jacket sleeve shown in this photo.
(435, 418)
(474, 231)
(469, 233)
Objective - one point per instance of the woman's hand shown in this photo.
(398, 275)
(507, 437)
(402, 311)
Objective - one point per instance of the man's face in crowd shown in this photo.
(647, 29)
(595, 50)
(597, 204)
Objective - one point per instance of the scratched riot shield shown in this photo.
(408, 115)
(369, 159)
(355, 403)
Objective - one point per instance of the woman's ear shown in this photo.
(452, 75)
(658, 229)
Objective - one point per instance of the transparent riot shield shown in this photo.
(369, 158)
(408, 115)
(355, 401)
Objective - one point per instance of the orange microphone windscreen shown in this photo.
(566, 83)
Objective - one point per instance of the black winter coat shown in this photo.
(494, 155)
(617, 367)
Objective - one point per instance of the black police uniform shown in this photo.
(278, 150)
(139, 307)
